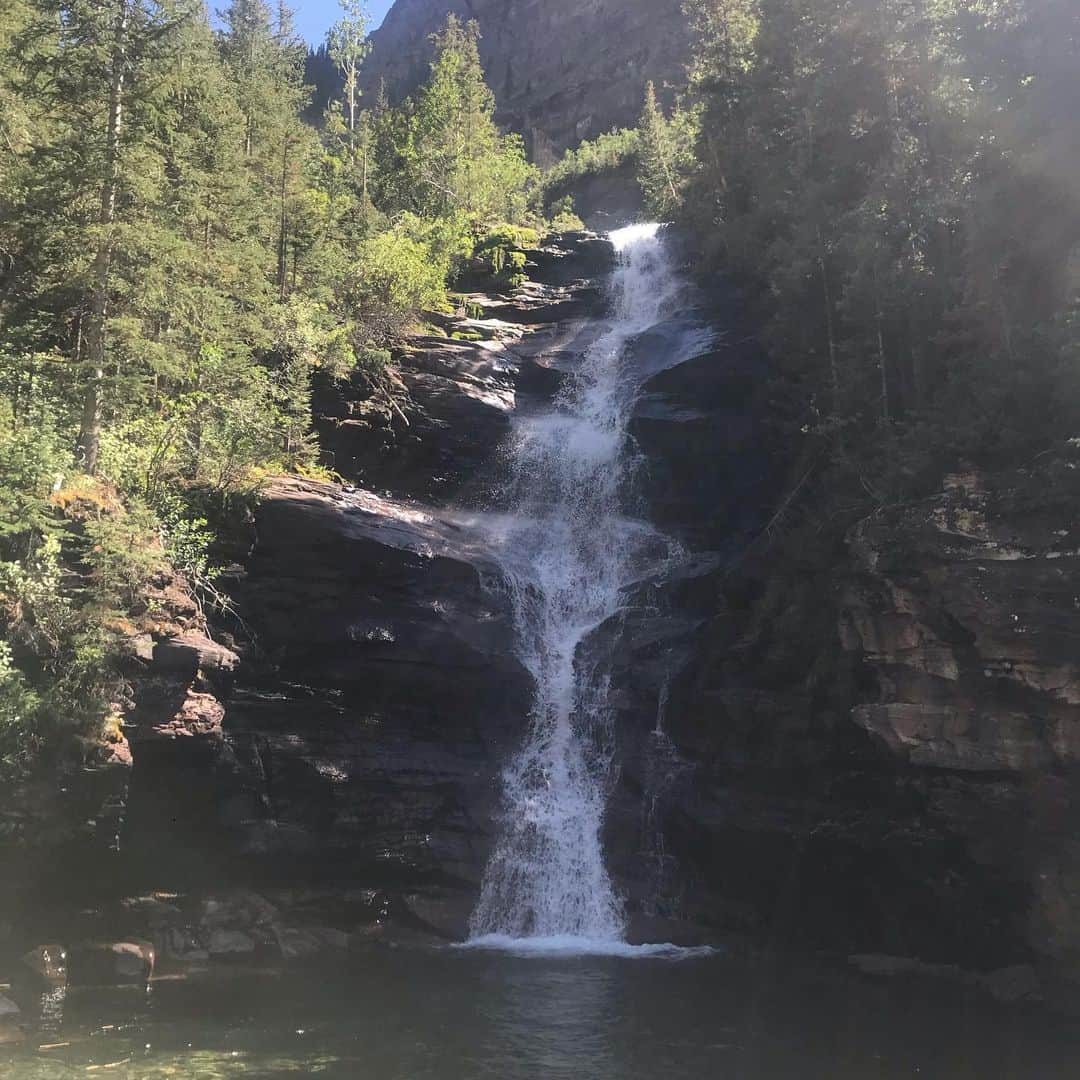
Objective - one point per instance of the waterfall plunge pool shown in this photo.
(453, 1014)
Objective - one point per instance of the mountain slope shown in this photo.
(562, 70)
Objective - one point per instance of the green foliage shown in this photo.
(55, 675)
(123, 555)
(19, 714)
(348, 45)
(563, 218)
(609, 152)
(441, 154)
(188, 539)
(665, 156)
(502, 252)
(180, 255)
(395, 276)
(32, 464)
(899, 179)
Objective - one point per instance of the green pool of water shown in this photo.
(401, 1014)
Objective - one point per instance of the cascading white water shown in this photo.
(569, 551)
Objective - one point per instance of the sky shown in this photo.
(314, 17)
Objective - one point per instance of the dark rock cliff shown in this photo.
(864, 743)
(562, 70)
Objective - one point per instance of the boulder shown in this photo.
(192, 653)
(1018, 983)
(229, 944)
(442, 911)
(111, 963)
(305, 942)
(238, 909)
(198, 717)
(182, 944)
(154, 912)
(47, 963)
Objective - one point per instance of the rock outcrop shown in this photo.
(874, 737)
(379, 693)
(434, 431)
(965, 609)
(562, 70)
(864, 743)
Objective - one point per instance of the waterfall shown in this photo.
(570, 547)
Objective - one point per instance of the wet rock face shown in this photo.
(964, 608)
(562, 70)
(379, 694)
(433, 433)
(364, 740)
(881, 733)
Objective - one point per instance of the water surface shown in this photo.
(447, 1014)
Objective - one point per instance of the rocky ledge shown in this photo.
(871, 748)
(965, 609)
(865, 745)
(351, 738)
(434, 430)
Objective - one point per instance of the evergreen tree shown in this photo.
(665, 156)
(448, 152)
(892, 173)
(180, 254)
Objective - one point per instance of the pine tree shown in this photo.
(894, 176)
(665, 156)
(454, 158)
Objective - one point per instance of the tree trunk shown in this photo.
(283, 235)
(89, 444)
(352, 77)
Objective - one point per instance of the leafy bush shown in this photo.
(502, 253)
(606, 153)
(32, 464)
(19, 714)
(394, 277)
(563, 218)
(123, 555)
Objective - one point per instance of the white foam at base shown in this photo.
(565, 945)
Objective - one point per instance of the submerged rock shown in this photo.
(111, 963)
(47, 963)
(444, 912)
(1008, 985)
